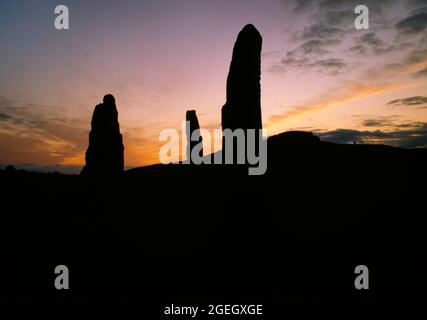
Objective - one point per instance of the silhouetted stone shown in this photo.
(243, 106)
(104, 155)
(191, 117)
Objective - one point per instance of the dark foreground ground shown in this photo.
(209, 234)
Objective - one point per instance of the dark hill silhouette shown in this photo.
(294, 138)
(320, 209)
(104, 156)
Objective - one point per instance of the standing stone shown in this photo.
(104, 155)
(193, 122)
(243, 106)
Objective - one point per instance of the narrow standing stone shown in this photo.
(193, 122)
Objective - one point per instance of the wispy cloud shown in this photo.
(347, 93)
(410, 101)
(4, 117)
(421, 73)
(331, 35)
(39, 132)
(414, 137)
(413, 24)
(383, 121)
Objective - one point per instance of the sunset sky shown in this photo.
(161, 58)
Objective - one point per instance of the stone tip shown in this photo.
(249, 35)
(249, 26)
(109, 98)
(250, 29)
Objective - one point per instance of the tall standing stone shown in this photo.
(193, 122)
(243, 106)
(104, 155)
